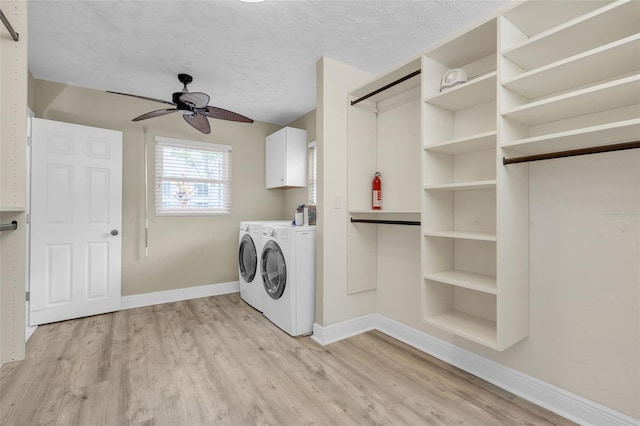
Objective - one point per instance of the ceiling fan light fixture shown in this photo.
(193, 107)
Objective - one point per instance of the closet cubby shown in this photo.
(574, 84)
(383, 136)
(590, 30)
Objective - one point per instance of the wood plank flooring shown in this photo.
(218, 361)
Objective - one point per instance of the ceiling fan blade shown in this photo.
(195, 99)
(156, 113)
(142, 97)
(223, 114)
(199, 122)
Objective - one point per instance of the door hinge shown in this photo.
(28, 140)
(28, 218)
(28, 296)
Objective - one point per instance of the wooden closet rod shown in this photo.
(9, 226)
(382, 89)
(14, 35)
(573, 152)
(386, 222)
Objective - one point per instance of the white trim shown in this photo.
(28, 332)
(342, 330)
(168, 296)
(546, 395)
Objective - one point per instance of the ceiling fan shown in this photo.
(192, 105)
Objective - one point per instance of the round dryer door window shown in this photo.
(247, 259)
(274, 270)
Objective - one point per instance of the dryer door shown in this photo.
(274, 270)
(247, 258)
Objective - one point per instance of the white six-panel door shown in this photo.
(76, 218)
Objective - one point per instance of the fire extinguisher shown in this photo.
(376, 186)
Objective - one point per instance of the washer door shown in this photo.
(274, 270)
(247, 258)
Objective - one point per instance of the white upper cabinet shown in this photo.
(286, 157)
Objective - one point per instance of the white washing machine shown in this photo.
(288, 268)
(249, 249)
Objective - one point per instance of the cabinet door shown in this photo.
(276, 161)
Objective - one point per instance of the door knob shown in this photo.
(114, 232)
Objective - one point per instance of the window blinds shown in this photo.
(192, 177)
(312, 170)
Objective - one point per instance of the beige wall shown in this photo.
(296, 196)
(13, 166)
(183, 251)
(334, 81)
(584, 264)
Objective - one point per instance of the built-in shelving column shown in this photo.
(13, 174)
(459, 221)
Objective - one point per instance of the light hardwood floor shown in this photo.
(217, 361)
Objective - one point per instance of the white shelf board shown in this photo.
(468, 326)
(477, 142)
(534, 17)
(384, 211)
(621, 57)
(474, 92)
(470, 280)
(602, 97)
(463, 235)
(463, 49)
(8, 208)
(462, 186)
(620, 19)
(606, 134)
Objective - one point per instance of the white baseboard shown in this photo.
(156, 298)
(553, 398)
(28, 332)
(342, 330)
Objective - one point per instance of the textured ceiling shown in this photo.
(257, 59)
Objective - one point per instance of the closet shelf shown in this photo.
(463, 235)
(471, 327)
(469, 47)
(12, 208)
(477, 142)
(471, 93)
(621, 19)
(462, 186)
(534, 17)
(384, 211)
(605, 134)
(470, 280)
(610, 95)
(621, 57)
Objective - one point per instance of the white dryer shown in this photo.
(288, 271)
(249, 276)
(249, 249)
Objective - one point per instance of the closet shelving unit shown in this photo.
(545, 78)
(384, 136)
(572, 85)
(461, 288)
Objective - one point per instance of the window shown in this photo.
(312, 178)
(192, 178)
